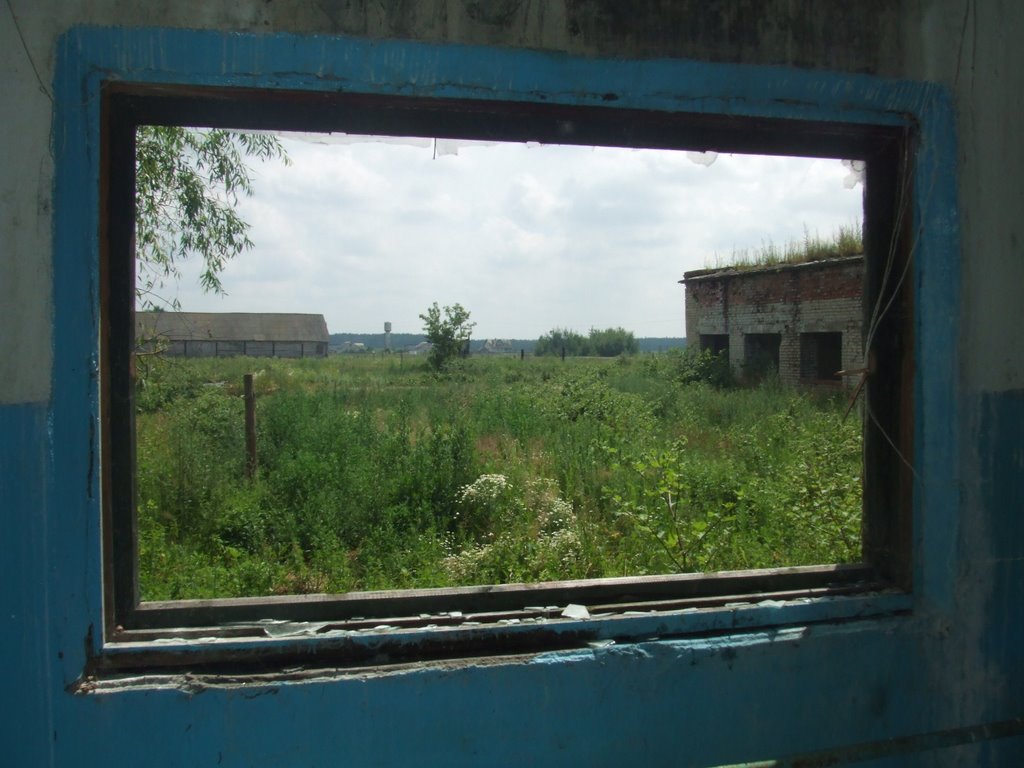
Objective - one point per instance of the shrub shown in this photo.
(449, 336)
(693, 366)
(534, 534)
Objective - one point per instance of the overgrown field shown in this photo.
(377, 474)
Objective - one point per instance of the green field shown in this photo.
(375, 473)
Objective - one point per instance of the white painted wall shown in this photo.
(26, 181)
(974, 46)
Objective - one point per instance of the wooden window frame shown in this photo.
(887, 151)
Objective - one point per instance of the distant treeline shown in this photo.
(660, 343)
(609, 342)
(400, 341)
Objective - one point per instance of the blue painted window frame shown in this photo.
(89, 57)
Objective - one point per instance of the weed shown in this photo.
(379, 475)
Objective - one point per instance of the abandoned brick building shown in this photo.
(233, 334)
(802, 320)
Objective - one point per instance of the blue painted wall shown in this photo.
(953, 660)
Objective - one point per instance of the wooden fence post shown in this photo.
(250, 427)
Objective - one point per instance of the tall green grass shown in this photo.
(376, 473)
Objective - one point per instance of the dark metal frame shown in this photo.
(887, 495)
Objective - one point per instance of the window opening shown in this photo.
(821, 356)
(715, 343)
(761, 355)
(464, 516)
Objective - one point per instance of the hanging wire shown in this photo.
(28, 54)
(882, 305)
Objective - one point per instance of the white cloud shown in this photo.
(527, 238)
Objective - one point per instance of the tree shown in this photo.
(609, 342)
(612, 342)
(562, 339)
(187, 186)
(449, 336)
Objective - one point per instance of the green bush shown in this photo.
(521, 533)
(692, 366)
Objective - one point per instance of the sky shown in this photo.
(526, 237)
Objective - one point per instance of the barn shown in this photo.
(802, 320)
(232, 334)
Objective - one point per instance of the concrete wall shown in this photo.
(789, 300)
(942, 673)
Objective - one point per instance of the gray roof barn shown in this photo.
(229, 334)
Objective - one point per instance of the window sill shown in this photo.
(283, 650)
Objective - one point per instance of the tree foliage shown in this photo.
(692, 366)
(609, 342)
(188, 183)
(449, 335)
(612, 342)
(562, 339)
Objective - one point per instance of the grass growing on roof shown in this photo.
(845, 241)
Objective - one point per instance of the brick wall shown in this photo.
(788, 300)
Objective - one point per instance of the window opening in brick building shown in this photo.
(556, 450)
(821, 356)
(761, 355)
(715, 343)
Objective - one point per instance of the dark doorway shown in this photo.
(761, 355)
(821, 356)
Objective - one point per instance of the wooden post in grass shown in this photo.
(250, 427)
